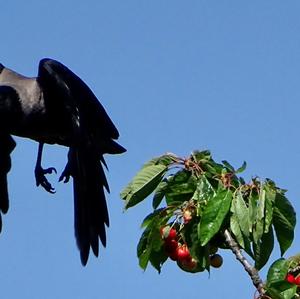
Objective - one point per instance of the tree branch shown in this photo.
(253, 273)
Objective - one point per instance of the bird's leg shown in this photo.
(67, 172)
(40, 172)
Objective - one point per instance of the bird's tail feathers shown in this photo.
(91, 214)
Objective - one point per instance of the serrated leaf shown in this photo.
(284, 221)
(241, 212)
(263, 249)
(213, 215)
(143, 184)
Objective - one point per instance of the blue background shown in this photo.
(174, 76)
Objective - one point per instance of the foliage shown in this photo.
(201, 198)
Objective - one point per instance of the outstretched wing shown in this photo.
(81, 100)
(91, 135)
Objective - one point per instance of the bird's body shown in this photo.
(57, 107)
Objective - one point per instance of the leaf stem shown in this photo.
(252, 271)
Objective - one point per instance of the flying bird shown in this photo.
(57, 107)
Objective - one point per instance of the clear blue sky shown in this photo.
(174, 76)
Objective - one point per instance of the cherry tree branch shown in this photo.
(252, 271)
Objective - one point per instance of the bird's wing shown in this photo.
(91, 112)
(7, 144)
(72, 95)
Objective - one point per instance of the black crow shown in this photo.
(57, 107)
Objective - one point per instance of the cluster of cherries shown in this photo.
(177, 251)
(292, 279)
(180, 252)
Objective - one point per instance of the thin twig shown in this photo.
(254, 275)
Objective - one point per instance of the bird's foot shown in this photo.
(41, 178)
(66, 174)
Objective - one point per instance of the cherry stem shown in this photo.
(252, 271)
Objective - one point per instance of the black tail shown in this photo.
(7, 144)
(91, 215)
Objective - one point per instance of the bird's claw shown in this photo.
(65, 176)
(42, 180)
(49, 170)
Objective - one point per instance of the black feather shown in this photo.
(57, 107)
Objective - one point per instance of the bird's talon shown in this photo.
(41, 178)
(49, 170)
(64, 177)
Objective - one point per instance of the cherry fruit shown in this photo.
(290, 278)
(183, 253)
(216, 260)
(167, 232)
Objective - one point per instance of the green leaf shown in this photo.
(143, 184)
(152, 218)
(258, 226)
(242, 168)
(241, 212)
(228, 165)
(274, 294)
(143, 251)
(277, 271)
(159, 194)
(213, 215)
(241, 239)
(269, 205)
(165, 160)
(201, 155)
(253, 200)
(157, 258)
(204, 190)
(181, 187)
(263, 249)
(236, 230)
(290, 292)
(284, 221)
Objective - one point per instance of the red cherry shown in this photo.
(171, 246)
(173, 256)
(189, 264)
(183, 253)
(290, 278)
(297, 280)
(168, 233)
